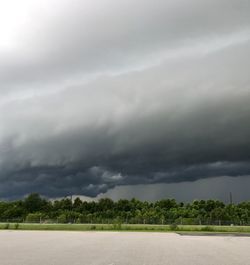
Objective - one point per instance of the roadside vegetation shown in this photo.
(106, 214)
(126, 227)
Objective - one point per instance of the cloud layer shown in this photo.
(96, 94)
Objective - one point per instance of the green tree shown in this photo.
(34, 203)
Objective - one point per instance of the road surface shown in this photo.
(120, 248)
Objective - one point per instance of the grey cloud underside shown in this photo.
(170, 102)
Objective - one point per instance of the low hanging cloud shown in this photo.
(102, 94)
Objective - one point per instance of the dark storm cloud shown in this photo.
(106, 94)
(210, 188)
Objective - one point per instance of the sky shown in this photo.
(124, 98)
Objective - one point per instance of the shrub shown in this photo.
(117, 224)
(33, 217)
(189, 221)
(78, 220)
(207, 228)
(173, 227)
(7, 226)
(62, 218)
(16, 226)
(93, 227)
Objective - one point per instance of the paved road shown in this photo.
(120, 248)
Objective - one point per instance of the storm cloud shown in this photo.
(99, 94)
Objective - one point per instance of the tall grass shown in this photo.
(125, 227)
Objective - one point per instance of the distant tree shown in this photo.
(105, 204)
(34, 207)
(77, 203)
(34, 203)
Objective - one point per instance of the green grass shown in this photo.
(125, 227)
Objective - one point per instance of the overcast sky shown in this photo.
(123, 96)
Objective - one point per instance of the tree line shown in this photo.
(34, 208)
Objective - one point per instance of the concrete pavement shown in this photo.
(120, 248)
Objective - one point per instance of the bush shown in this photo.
(207, 228)
(117, 224)
(93, 227)
(62, 218)
(173, 227)
(7, 226)
(33, 217)
(16, 226)
(189, 221)
(78, 220)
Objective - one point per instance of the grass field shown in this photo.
(125, 227)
